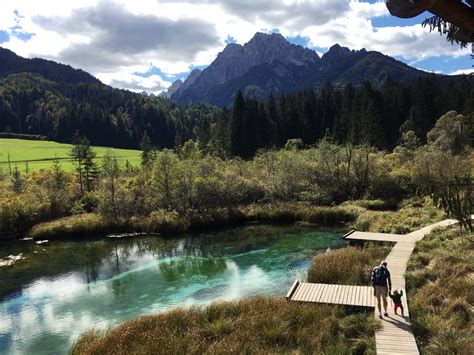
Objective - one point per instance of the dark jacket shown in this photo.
(381, 276)
(396, 297)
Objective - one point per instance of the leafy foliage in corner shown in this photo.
(437, 23)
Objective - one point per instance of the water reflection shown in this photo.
(65, 288)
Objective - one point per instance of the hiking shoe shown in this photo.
(385, 314)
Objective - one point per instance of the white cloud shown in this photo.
(115, 38)
(152, 84)
(462, 71)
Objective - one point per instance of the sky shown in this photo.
(144, 45)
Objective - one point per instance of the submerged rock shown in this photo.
(11, 259)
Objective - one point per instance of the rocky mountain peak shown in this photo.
(231, 50)
(175, 86)
(265, 38)
(336, 51)
(269, 48)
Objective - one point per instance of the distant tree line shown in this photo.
(376, 116)
(358, 115)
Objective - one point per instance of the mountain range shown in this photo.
(268, 63)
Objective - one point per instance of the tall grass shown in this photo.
(293, 212)
(258, 325)
(171, 222)
(349, 266)
(412, 214)
(76, 226)
(440, 292)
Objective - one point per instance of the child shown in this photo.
(397, 300)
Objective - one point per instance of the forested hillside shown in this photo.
(29, 103)
(111, 117)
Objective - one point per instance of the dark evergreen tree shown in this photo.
(17, 181)
(237, 125)
(83, 158)
(148, 151)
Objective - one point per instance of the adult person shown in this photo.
(382, 284)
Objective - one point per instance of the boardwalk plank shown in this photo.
(330, 294)
(340, 290)
(318, 292)
(322, 294)
(314, 289)
(304, 292)
(345, 297)
(300, 291)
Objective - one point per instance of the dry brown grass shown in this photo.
(256, 326)
(440, 292)
(348, 266)
(293, 212)
(80, 225)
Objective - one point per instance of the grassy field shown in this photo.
(40, 154)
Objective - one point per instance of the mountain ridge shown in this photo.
(288, 67)
(11, 63)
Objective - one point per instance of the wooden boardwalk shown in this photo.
(361, 296)
(394, 335)
(375, 237)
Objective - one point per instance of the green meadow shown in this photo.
(34, 155)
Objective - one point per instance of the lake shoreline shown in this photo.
(172, 223)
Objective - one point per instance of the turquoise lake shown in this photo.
(64, 288)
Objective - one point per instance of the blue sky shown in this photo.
(146, 44)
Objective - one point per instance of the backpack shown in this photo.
(379, 276)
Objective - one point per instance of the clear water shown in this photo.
(63, 289)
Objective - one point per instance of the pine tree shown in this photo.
(58, 175)
(148, 151)
(17, 181)
(371, 132)
(237, 124)
(91, 171)
(327, 109)
(272, 119)
(111, 173)
(83, 158)
(77, 155)
(344, 118)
